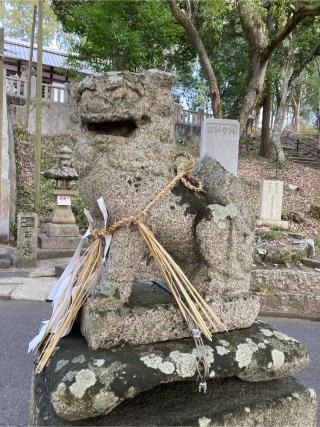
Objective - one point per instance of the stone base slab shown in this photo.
(59, 242)
(228, 402)
(86, 383)
(273, 223)
(137, 324)
(54, 230)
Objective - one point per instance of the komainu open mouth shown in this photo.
(124, 128)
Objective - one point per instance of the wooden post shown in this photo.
(30, 67)
(1, 101)
(37, 148)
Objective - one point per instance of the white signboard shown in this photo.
(220, 140)
(270, 207)
(63, 200)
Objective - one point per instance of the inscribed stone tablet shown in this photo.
(271, 200)
(220, 140)
(27, 239)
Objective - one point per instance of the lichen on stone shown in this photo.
(104, 400)
(69, 376)
(60, 364)
(222, 350)
(185, 363)
(99, 362)
(79, 359)
(281, 336)
(204, 422)
(167, 367)
(266, 332)
(278, 358)
(152, 361)
(244, 354)
(131, 392)
(84, 379)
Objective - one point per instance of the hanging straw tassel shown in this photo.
(188, 299)
(85, 277)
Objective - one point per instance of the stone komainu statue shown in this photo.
(125, 142)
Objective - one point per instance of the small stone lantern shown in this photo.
(62, 232)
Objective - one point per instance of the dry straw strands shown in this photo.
(86, 276)
(188, 299)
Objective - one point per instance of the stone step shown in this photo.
(305, 160)
(56, 253)
(312, 262)
(14, 272)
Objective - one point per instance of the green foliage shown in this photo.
(274, 234)
(120, 35)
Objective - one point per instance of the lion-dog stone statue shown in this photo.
(125, 146)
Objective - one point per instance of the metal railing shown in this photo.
(300, 148)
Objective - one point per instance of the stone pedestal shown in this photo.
(87, 387)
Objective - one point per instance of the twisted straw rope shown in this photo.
(192, 183)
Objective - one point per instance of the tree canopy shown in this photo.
(120, 35)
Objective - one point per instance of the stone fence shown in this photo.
(18, 87)
(188, 124)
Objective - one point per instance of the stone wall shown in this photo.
(56, 117)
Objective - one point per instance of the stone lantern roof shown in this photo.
(64, 169)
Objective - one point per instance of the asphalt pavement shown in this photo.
(20, 320)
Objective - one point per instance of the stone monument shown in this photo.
(27, 232)
(62, 232)
(135, 363)
(270, 206)
(220, 140)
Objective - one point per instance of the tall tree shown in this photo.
(264, 30)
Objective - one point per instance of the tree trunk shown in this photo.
(280, 115)
(204, 60)
(297, 108)
(258, 71)
(265, 131)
